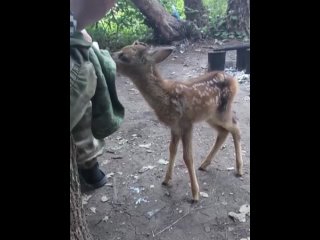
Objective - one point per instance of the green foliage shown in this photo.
(121, 26)
(124, 23)
(216, 9)
(218, 14)
(219, 30)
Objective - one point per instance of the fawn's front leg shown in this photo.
(188, 160)
(175, 137)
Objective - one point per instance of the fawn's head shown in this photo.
(139, 58)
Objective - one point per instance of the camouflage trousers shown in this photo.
(88, 147)
(83, 82)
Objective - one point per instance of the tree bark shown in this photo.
(78, 224)
(238, 16)
(166, 27)
(196, 12)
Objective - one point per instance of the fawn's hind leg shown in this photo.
(234, 129)
(222, 136)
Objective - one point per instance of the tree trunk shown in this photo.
(196, 12)
(238, 16)
(166, 27)
(78, 224)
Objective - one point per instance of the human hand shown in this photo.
(86, 35)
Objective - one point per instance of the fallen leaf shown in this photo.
(93, 209)
(104, 198)
(145, 168)
(245, 209)
(122, 141)
(135, 189)
(145, 145)
(109, 175)
(85, 199)
(163, 162)
(141, 200)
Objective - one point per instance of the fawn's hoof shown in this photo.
(165, 184)
(202, 169)
(239, 173)
(194, 201)
(195, 198)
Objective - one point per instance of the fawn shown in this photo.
(180, 104)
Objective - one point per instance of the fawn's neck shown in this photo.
(153, 88)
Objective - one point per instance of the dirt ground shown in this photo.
(134, 205)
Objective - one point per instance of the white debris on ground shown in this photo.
(204, 194)
(93, 209)
(163, 162)
(145, 168)
(240, 75)
(140, 200)
(85, 198)
(105, 219)
(135, 189)
(150, 214)
(104, 198)
(241, 216)
(145, 145)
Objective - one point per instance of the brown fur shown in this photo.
(179, 104)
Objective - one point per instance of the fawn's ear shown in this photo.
(136, 42)
(159, 54)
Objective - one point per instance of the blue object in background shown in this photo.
(175, 12)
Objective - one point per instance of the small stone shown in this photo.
(241, 217)
(245, 209)
(203, 194)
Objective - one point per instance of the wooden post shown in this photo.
(248, 61)
(241, 59)
(216, 60)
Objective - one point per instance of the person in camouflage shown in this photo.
(95, 110)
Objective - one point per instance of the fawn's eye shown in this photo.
(123, 58)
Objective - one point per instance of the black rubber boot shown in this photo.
(93, 177)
